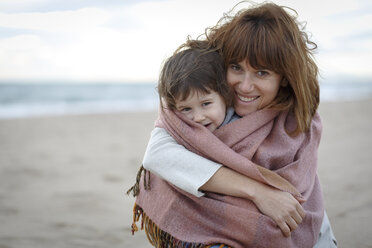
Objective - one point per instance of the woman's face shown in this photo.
(253, 89)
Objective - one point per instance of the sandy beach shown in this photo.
(63, 179)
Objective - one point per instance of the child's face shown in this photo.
(206, 109)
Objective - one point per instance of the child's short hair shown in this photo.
(191, 68)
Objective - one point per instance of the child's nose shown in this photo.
(198, 116)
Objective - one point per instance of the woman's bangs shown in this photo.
(258, 46)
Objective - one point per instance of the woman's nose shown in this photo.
(246, 84)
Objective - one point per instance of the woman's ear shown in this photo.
(284, 82)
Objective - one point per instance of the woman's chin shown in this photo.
(244, 110)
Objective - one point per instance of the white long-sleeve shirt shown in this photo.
(177, 165)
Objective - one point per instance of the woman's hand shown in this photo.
(281, 206)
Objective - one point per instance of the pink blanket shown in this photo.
(257, 146)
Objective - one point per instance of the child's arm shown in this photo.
(177, 165)
(281, 206)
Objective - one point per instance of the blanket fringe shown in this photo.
(146, 182)
(159, 238)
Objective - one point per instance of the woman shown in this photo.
(271, 70)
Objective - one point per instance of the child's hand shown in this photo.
(281, 206)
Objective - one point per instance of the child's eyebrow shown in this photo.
(207, 100)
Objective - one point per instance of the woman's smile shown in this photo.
(247, 99)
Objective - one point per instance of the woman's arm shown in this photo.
(191, 172)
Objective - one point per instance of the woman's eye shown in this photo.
(235, 67)
(262, 73)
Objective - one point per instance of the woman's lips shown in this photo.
(247, 99)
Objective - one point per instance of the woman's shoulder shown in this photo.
(316, 124)
(291, 123)
(230, 116)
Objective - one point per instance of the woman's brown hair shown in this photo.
(268, 37)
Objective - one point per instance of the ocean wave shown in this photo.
(28, 100)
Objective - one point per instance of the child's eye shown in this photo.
(206, 104)
(184, 110)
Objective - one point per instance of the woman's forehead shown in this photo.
(252, 62)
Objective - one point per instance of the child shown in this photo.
(193, 83)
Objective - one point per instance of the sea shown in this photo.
(23, 99)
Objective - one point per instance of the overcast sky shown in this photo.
(116, 40)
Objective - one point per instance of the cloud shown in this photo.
(128, 40)
(20, 6)
(10, 32)
(56, 21)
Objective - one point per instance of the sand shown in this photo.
(63, 179)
